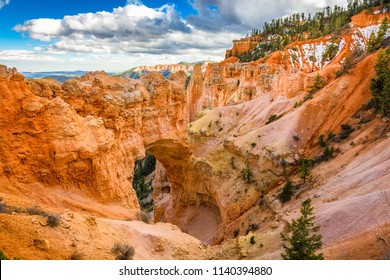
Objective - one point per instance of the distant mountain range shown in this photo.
(134, 73)
(164, 69)
(61, 76)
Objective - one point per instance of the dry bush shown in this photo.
(75, 255)
(53, 221)
(36, 211)
(123, 251)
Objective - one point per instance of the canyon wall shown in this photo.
(85, 135)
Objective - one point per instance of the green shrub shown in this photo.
(298, 104)
(345, 66)
(330, 51)
(252, 240)
(4, 208)
(321, 140)
(330, 135)
(273, 118)
(287, 192)
(328, 152)
(2, 256)
(318, 83)
(346, 131)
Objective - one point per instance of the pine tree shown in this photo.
(303, 240)
(247, 174)
(380, 85)
(382, 31)
(318, 83)
(374, 42)
(371, 44)
(305, 169)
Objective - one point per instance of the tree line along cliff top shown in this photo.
(298, 27)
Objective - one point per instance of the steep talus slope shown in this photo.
(91, 238)
(238, 134)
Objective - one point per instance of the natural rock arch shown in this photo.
(85, 135)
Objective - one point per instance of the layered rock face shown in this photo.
(243, 45)
(227, 83)
(85, 135)
(282, 74)
(230, 107)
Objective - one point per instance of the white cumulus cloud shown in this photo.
(247, 14)
(134, 28)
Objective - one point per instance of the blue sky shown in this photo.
(115, 35)
(19, 11)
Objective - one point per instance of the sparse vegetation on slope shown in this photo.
(51, 219)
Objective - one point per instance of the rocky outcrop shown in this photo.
(227, 84)
(242, 46)
(86, 134)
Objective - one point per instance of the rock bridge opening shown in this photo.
(144, 175)
(169, 190)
